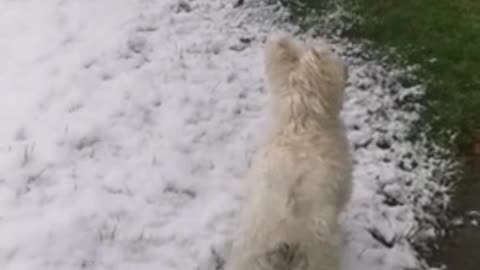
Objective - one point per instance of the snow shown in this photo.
(128, 127)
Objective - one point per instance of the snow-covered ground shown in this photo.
(127, 128)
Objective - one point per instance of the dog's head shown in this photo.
(309, 69)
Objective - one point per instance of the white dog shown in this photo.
(300, 179)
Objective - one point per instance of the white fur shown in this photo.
(300, 179)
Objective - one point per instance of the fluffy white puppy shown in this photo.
(300, 178)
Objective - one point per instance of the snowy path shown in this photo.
(127, 127)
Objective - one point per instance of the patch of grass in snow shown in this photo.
(441, 37)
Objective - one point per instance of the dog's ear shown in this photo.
(282, 48)
(282, 55)
(323, 52)
(318, 47)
